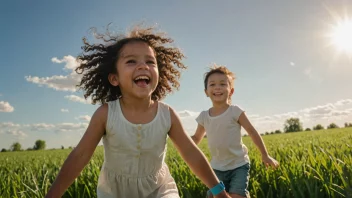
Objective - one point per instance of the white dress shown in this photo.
(134, 155)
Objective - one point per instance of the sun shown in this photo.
(341, 35)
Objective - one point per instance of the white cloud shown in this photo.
(286, 115)
(41, 126)
(292, 64)
(8, 125)
(71, 63)
(263, 119)
(78, 99)
(66, 127)
(60, 127)
(5, 127)
(320, 110)
(16, 133)
(64, 110)
(188, 119)
(6, 107)
(343, 102)
(60, 82)
(186, 113)
(341, 113)
(84, 118)
(254, 116)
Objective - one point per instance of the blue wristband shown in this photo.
(218, 188)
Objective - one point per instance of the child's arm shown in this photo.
(199, 134)
(81, 155)
(195, 159)
(257, 139)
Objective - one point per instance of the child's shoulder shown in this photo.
(164, 106)
(100, 114)
(203, 114)
(236, 107)
(102, 109)
(236, 111)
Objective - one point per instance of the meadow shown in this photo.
(312, 164)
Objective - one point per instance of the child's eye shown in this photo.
(150, 62)
(131, 61)
(211, 85)
(223, 84)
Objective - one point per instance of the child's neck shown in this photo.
(218, 109)
(219, 106)
(137, 104)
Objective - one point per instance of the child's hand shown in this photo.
(269, 161)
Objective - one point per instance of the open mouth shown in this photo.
(142, 81)
(217, 94)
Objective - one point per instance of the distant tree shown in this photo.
(346, 124)
(308, 129)
(293, 125)
(29, 149)
(70, 147)
(62, 147)
(3, 150)
(266, 133)
(16, 146)
(332, 126)
(350, 125)
(272, 132)
(318, 127)
(278, 131)
(39, 145)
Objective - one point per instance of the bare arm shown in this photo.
(195, 159)
(257, 139)
(81, 155)
(199, 134)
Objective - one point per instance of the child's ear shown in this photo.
(232, 91)
(113, 79)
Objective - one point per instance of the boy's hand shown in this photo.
(269, 161)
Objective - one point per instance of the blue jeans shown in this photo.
(235, 180)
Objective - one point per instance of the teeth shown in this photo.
(142, 78)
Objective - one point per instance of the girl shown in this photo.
(223, 123)
(129, 75)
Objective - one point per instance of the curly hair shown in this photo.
(219, 69)
(99, 60)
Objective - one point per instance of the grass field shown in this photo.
(312, 164)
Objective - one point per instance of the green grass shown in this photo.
(312, 164)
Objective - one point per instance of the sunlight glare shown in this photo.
(342, 36)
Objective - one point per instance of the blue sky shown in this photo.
(280, 51)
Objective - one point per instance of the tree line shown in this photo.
(294, 125)
(38, 145)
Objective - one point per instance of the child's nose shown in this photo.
(142, 65)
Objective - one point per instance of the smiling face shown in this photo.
(137, 70)
(219, 88)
